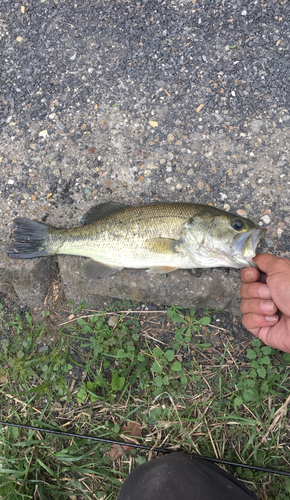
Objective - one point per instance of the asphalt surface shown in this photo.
(145, 101)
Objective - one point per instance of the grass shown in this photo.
(121, 365)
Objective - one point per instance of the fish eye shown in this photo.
(237, 225)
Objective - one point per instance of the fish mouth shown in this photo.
(256, 236)
(246, 244)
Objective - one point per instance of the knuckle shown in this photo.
(244, 320)
(243, 290)
(242, 305)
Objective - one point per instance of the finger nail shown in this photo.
(249, 275)
(271, 319)
(264, 292)
(267, 305)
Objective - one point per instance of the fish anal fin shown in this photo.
(100, 211)
(161, 245)
(93, 270)
(161, 269)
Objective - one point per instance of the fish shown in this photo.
(158, 237)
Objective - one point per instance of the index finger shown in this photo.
(255, 290)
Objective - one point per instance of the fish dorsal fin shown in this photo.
(100, 211)
(93, 270)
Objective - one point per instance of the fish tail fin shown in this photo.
(30, 240)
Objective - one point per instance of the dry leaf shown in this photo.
(22, 9)
(112, 321)
(3, 379)
(130, 429)
(207, 395)
(56, 407)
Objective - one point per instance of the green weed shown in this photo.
(104, 369)
(117, 354)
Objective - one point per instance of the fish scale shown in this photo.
(161, 237)
(120, 238)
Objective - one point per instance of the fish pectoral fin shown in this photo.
(161, 269)
(93, 270)
(161, 245)
(100, 211)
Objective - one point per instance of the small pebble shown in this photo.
(266, 219)
(60, 125)
(257, 126)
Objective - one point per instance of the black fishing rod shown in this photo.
(144, 447)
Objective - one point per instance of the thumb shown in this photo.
(269, 263)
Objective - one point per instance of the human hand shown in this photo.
(269, 318)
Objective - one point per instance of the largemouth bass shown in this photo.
(161, 237)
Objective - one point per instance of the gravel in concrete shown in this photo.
(144, 101)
